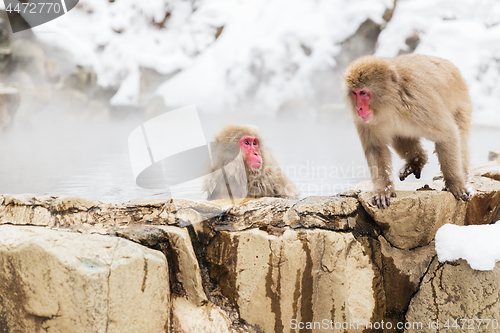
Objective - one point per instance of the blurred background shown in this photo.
(74, 88)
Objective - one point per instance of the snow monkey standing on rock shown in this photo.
(261, 177)
(396, 102)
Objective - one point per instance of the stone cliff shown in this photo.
(320, 264)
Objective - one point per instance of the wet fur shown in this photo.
(268, 181)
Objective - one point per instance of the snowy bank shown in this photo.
(466, 32)
(224, 55)
(478, 244)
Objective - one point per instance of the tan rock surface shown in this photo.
(176, 243)
(401, 273)
(25, 209)
(189, 318)
(484, 206)
(259, 266)
(333, 213)
(55, 281)
(413, 218)
(255, 213)
(63, 211)
(185, 264)
(452, 291)
(306, 275)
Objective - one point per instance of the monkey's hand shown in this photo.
(460, 192)
(381, 197)
(414, 166)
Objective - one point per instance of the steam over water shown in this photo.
(49, 153)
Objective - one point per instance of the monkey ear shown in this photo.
(392, 74)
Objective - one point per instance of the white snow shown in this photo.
(128, 93)
(478, 244)
(466, 32)
(263, 54)
(270, 51)
(119, 37)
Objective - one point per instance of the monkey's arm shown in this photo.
(212, 185)
(282, 186)
(227, 182)
(378, 157)
(410, 150)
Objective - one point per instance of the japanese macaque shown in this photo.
(396, 102)
(257, 176)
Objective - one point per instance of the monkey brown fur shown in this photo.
(262, 176)
(396, 102)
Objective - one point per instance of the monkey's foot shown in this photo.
(415, 166)
(459, 193)
(381, 198)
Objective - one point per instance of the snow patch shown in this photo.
(128, 94)
(477, 244)
(466, 32)
(263, 54)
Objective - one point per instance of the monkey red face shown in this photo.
(362, 98)
(250, 147)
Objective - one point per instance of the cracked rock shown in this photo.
(188, 318)
(53, 281)
(254, 213)
(413, 218)
(452, 291)
(332, 213)
(307, 275)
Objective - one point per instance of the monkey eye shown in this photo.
(354, 93)
(362, 92)
(247, 142)
(255, 143)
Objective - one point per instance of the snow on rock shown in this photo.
(466, 32)
(268, 53)
(268, 50)
(128, 93)
(119, 37)
(262, 54)
(478, 244)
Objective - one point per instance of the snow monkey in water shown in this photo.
(396, 102)
(261, 177)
